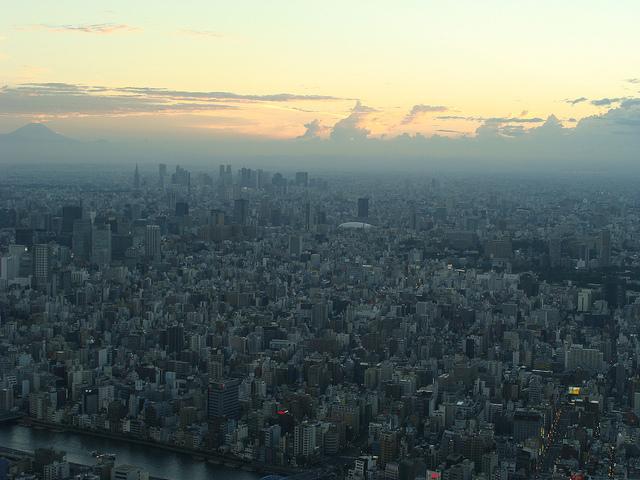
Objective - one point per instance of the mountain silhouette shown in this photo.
(35, 132)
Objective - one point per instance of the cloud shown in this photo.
(65, 98)
(313, 129)
(95, 28)
(633, 80)
(350, 128)
(575, 101)
(606, 102)
(187, 95)
(417, 110)
(59, 99)
(201, 33)
(492, 120)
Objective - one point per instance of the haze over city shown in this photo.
(338, 240)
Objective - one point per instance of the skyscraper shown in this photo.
(302, 179)
(152, 242)
(162, 174)
(175, 338)
(240, 211)
(223, 399)
(70, 213)
(295, 245)
(81, 241)
(41, 263)
(101, 244)
(604, 247)
(136, 178)
(363, 207)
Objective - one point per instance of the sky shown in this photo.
(351, 73)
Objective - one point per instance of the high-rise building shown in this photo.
(295, 245)
(584, 300)
(182, 209)
(25, 236)
(307, 216)
(162, 174)
(555, 252)
(388, 447)
(70, 213)
(304, 438)
(9, 267)
(136, 178)
(175, 338)
(41, 263)
(363, 207)
(81, 240)
(302, 179)
(101, 244)
(589, 359)
(152, 242)
(223, 399)
(604, 247)
(241, 211)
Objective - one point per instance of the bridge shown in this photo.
(318, 474)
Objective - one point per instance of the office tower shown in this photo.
(320, 315)
(9, 267)
(307, 216)
(136, 178)
(152, 242)
(240, 211)
(584, 300)
(589, 359)
(175, 338)
(527, 424)
(604, 246)
(25, 236)
(295, 245)
(81, 240)
(101, 244)
(413, 218)
(247, 178)
(70, 213)
(8, 217)
(223, 399)
(162, 174)
(388, 447)
(225, 176)
(182, 209)
(363, 207)
(302, 179)
(216, 217)
(181, 177)
(555, 246)
(41, 263)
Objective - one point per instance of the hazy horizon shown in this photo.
(421, 83)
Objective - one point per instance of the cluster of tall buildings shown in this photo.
(360, 328)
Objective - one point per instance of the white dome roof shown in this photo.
(355, 225)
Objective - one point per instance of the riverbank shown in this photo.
(13, 454)
(211, 457)
(160, 464)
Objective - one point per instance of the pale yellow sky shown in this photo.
(489, 59)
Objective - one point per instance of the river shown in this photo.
(159, 463)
